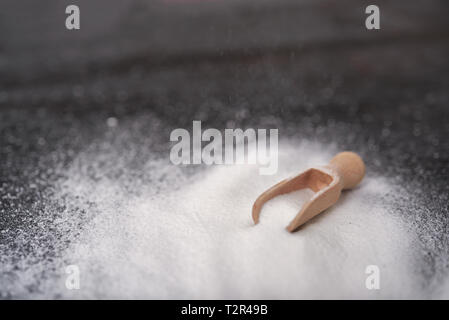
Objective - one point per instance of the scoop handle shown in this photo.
(350, 168)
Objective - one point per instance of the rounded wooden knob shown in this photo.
(350, 167)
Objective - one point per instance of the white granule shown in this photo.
(193, 237)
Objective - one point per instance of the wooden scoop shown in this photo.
(344, 171)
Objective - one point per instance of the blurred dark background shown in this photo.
(309, 68)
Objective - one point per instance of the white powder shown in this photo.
(193, 237)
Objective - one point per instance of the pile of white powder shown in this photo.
(192, 236)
